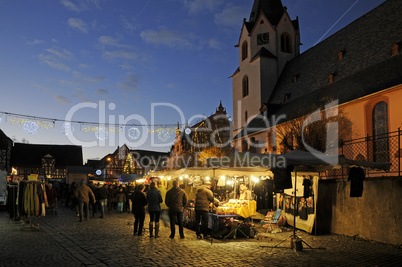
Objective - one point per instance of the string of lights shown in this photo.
(31, 125)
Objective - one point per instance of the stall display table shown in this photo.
(228, 226)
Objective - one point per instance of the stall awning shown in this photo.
(130, 177)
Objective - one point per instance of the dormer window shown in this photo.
(340, 55)
(331, 78)
(261, 22)
(286, 98)
(285, 43)
(244, 50)
(394, 50)
(295, 77)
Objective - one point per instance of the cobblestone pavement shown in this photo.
(60, 240)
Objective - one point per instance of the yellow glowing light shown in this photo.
(207, 178)
(181, 178)
(186, 176)
(169, 178)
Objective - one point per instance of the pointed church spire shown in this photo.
(273, 10)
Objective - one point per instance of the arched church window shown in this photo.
(380, 132)
(245, 86)
(244, 50)
(286, 43)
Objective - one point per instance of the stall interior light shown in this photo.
(186, 176)
(255, 179)
(229, 182)
(181, 178)
(223, 177)
(169, 178)
(207, 178)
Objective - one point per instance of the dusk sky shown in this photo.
(61, 55)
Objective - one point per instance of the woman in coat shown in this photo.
(139, 203)
(154, 198)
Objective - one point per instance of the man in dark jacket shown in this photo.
(203, 198)
(176, 200)
(101, 194)
(139, 203)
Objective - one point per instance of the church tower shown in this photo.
(267, 41)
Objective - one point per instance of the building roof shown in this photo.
(368, 81)
(365, 42)
(365, 68)
(30, 155)
(5, 141)
(273, 10)
(263, 52)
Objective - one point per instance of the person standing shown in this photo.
(110, 198)
(51, 195)
(154, 199)
(121, 199)
(164, 209)
(139, 201)
(203, 198)
(94, 204)
(176, 200)
(101, 194)
(84, 194)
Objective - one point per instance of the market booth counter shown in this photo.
(229, 220)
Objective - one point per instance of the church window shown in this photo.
(244, 50)
(245, 86)
(380, 132)
(285, 43)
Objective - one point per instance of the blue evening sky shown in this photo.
(61, 55)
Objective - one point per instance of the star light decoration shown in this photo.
(134, 133)
(163, 134)
(67, 128)
(187, 131)
(102, 133)
(30, 127)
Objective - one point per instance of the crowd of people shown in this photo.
(155, 199)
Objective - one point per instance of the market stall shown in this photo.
(226, 183)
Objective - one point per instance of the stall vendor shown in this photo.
(245, 193)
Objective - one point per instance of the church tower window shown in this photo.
(285, 43)
(244, 50)
(245, 86)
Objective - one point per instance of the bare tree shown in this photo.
(296, 134)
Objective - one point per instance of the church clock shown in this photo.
(263, 38)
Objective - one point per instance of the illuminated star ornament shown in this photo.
(30, 127)
(102, 134)
(187, 131)
(67, 128)
(134, 133)
(164, 135)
